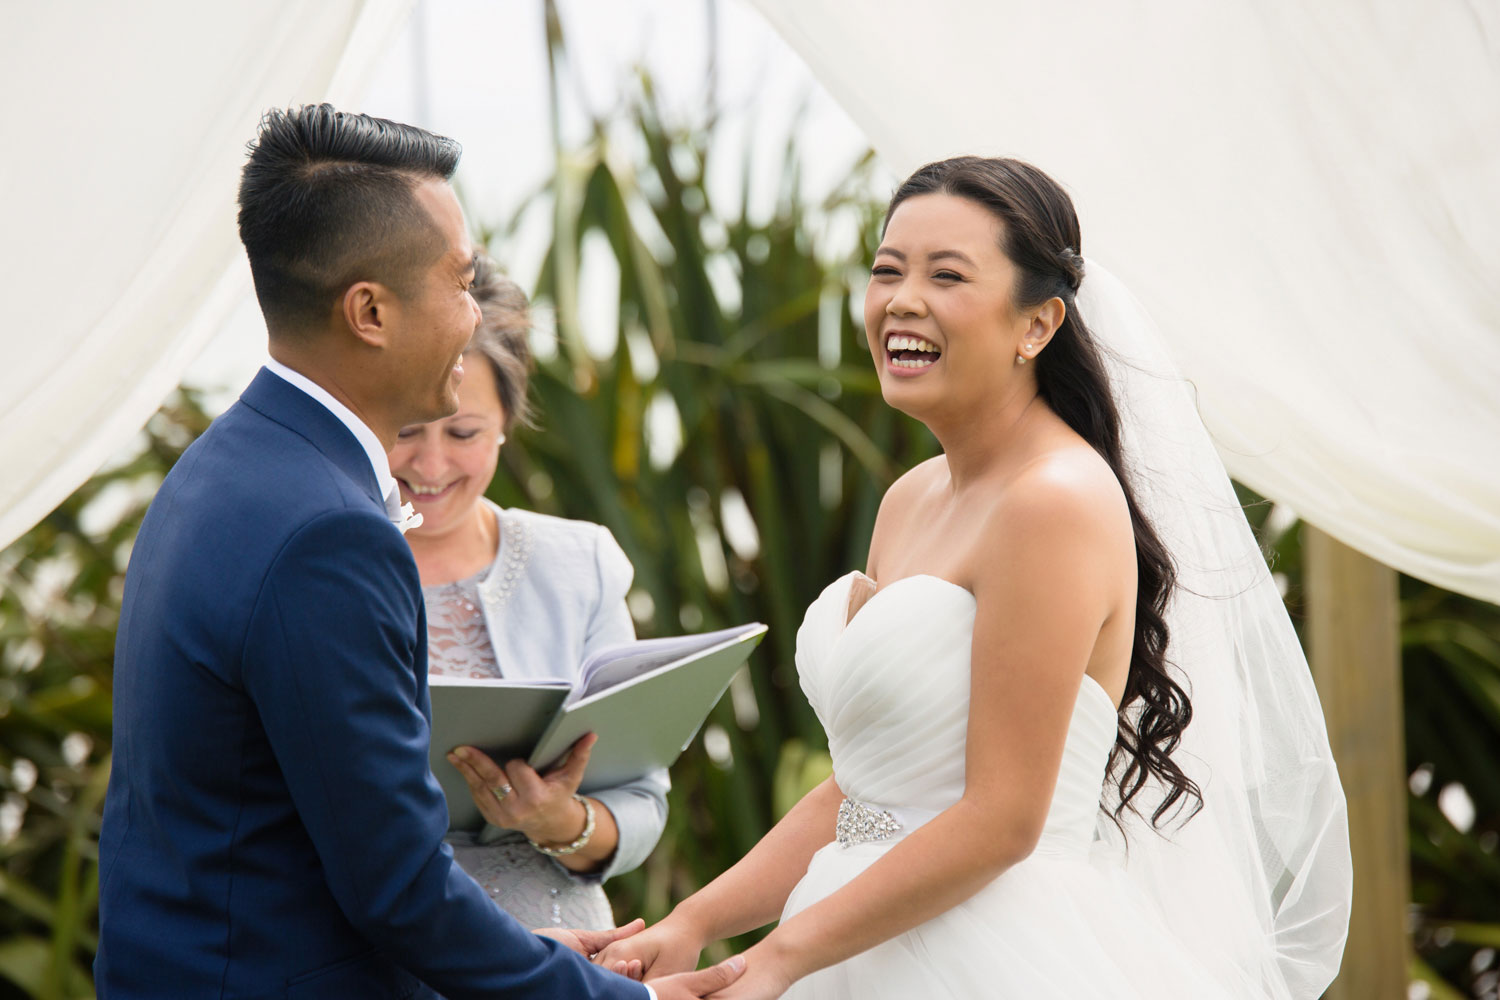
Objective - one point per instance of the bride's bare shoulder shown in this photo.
(912, 488)
(921, 478)
(1069, 489)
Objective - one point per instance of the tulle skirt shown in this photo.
(1053, 926)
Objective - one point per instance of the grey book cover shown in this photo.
(646, 700)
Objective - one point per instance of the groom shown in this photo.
(271, 827)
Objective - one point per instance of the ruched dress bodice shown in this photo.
(891, 688)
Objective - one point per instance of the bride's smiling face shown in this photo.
(940, 313)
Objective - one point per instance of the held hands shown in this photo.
(589, 943)
(683, 986)
(766, 976)
(516, 797)
(668, 947)
(706, 983)
(761, 981)
(657, 955)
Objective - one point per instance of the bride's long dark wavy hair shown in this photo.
(1041, 237)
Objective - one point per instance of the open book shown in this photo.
(646, 700)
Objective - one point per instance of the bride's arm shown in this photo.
(749, 895)
(1045, 588)
(753, 892)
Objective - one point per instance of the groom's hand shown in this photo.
(693, 985)
(589, 943)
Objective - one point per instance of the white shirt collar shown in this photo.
(361, 431)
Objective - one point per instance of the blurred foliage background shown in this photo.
(730, 433)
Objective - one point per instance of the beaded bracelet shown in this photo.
(583, 838)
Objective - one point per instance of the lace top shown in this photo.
(458, 641)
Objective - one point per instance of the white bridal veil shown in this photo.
(1258, 883)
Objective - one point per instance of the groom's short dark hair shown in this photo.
(326, 200)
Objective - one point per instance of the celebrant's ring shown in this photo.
(501, 792)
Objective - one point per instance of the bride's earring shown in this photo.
(1020, 359)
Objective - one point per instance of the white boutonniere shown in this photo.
(409, 519)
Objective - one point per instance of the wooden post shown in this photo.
(1355, 652)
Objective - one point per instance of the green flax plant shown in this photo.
(1450, 655)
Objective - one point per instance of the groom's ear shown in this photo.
(369, 311)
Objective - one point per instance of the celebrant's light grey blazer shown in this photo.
(554, 594)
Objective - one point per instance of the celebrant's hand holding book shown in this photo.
(644, 701)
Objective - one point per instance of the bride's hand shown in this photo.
(661, 950)
(762, 981)
(767, 974)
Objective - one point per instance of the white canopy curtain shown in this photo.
(124, 130)
(1305, 196)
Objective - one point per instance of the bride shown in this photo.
(1076, 750)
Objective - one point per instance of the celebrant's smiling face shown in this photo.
(940, 316)
(445, 466)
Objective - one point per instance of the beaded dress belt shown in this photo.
(862, 824)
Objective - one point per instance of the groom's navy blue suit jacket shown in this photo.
(271, 827)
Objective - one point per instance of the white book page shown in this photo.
(446, 680)
(615, 665)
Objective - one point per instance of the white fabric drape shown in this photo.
(1305, 196)
(124, 130)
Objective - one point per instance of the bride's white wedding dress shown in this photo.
(891, 687)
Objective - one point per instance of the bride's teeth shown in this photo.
(900, 343)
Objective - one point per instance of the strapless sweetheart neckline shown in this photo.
(880, 589)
